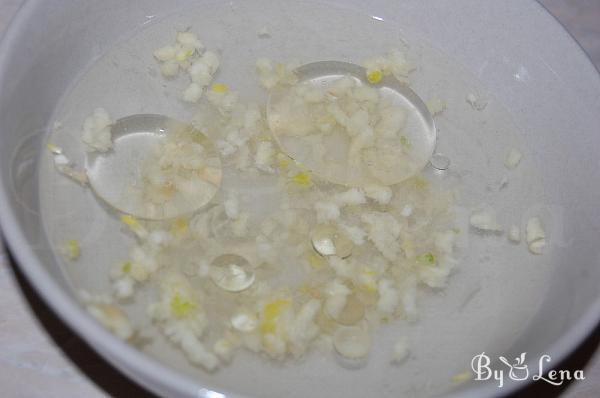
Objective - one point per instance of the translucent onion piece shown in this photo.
(353, 312)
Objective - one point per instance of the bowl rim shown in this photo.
(150, 372)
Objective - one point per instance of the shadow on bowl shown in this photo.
(116, 384)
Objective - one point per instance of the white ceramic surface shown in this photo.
(517, 70)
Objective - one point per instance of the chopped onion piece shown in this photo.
(513, 158)
(380, 194)
(71, 249)
(97, 132)
(401, 351)
(536, 236)
(476, 102)
(485, 220)
(263, 33)
(435, 106)
(514, 233)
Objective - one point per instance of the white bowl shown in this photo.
(515, 48)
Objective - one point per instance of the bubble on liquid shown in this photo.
(232, 272)
(440, 162)
(327, 240)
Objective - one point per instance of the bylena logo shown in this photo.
(518, 370)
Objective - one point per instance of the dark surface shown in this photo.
(115, 384)
(92, 365)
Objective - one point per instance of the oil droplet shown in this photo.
(327, 240)
(352, 342)
(439, 161)
(232, 272)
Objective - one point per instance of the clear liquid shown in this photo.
(481, 310)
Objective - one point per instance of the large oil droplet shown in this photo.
(122, 179)
(232, 272)
(330, 150)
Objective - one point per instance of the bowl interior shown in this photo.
(501, 300)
